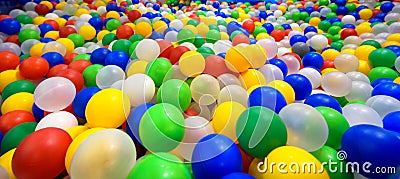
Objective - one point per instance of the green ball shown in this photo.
(95, 14)
(340, 24)
(27, 34)
(108, 38)
(185, 35)
(382, 72)
(16, 87)
(258, 30)
(90, 73)
(334, 30)
(333, 7)
(78, 40)
(296, 16)
(287, 17)
(342, 101)
(189, 80)
(336, 37)
(337, 125)
(193, 22)
(323, 2)
(260, 130)
(15, 135)
(82, 57)
(162, 128)
(329, 155)
(24, 56)
(331, 15)
(372, 43)
(337, 45)
(234, 33)
(324, 25)
(122, 45)
(382, 57)
(24, 19)
(213, 27)
(221, 22)
(132, 52)
(351, 7)
(246, 10)
(159, 70)
(356, 102)
(235, 14)
(160, 165)
(199, 41)
(206, 51)
(113, 24)
(212, 36)
(175, 92)
(304, 15)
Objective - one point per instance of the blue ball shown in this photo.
(10, 26)
(44, 28)
(54, 58)
(310, 29)
(37, 112)
(262, 15)
(111, 7)
(381, 15)
(96, 22)
(98, 56)
(118, 58)
(253, 40)
(310, 10)
(269, 27)
(223, 54)
(316, 100)
(352, 26)
(392, 121)
(286, 26)
(340, 2)
(215, 4)
(267, 97)
(386, 7)
(373, 20)
(388, 89)
(238, 176)
(46, 40)
(300, 84)
(313, 59)
(169, 29)
(297, 38)
(215, 156)
(368, 143)
(355, 15)
(81, 99)
(156, 7)
(156, 35)
(381, 80)
(279, 63)
(342, 10)
(134, 118)
(395, 49)
(359, 8)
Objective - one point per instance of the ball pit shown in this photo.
(198, 89)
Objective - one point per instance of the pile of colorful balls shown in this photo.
(115, 89)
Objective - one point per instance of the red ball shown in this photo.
(13, 39)
(53, 23)
(177, 53)
(55, 69)
(375, 12)
(70, 22)
(278, 34)
(69, 57)
(65, 31)
(166, 48)
(9, 61)
(246, 159)
(34, 68)
(133, 15)
(348, 32)
(42, 9)
(328, 64)
(14, 118)
(88, 1)
(240, 38)
(41, 154)
(215, 66)
(79, 65)
(74, 76)
(124, 32)
(2, 17)
(249, 25)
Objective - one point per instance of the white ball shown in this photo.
(318, 42)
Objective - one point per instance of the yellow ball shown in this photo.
(235, 59)
(107, 108)
(330, 54)
(6, 162)
(286, 90)
(282, 8)
(136, 67)
(225, 118)
(327, 70)
(314, 21)
(363, 29)
(101, 34)
(160, 26)
(389, 43)
(255, 55)
(61, 5)
(365, 14)
(192, 63)
(7, 77)
(19, 101)
(192, 28)
(36, 50)
(251, 78)
(224, 36)
(397, 80)
(47, 3)
(75, 144)
(113, 14)
(132, 25)
(348, 51)
(169, 17)
(52, 34)
(81, 11)
(394, 37)
(364, 67)
(202, 29)
(61, 22)
(143, 28)
(99, 3)
(76, 130)
(262, 35)
(294, 158)
(362, 52)
(69, 45)
(88, 32)
(39, 20)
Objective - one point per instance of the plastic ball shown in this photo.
(204, 89)
(383, 105)
(175, 92)
(16, 135)
(53, 58)
(376, 56)
(300, 84)
(225, 118)
(357, 114)
(159, 70)
(253, 139)
(10, 26)
(318, 42)
(233, 93)
(109, 75)
(192, 63)
(47, 94)
(142, 50)
(61, 119)
(141, 95)
(87, 32)
(336, 84)
(313, 132)
(82, 98)
(313, 59)
(27, 34)
(316, 100)
(9, 61)
(382, 72)
(346, 63)
(156, 124)
(118, 58)
(390, 121)
(34, 68)
(292, 63)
